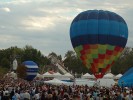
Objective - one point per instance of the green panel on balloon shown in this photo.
(94, 55)
(103, 47)
(109, 47)
(101, 51)
(89, 61)
(99, 55)
(78, 49)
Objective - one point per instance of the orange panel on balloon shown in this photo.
(121, 49)
(88, 51)
(96, 65)
(93, 67)
(101, 60)
(84, 62)
(83, 57)
(115, 53)
(93, 46)
(97, 69)
(107, 57)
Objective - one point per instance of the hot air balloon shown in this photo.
(32, 70)
(98, 37)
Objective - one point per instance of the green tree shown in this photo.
(53, 54)
(5, 63)
(70, 54)
(21, 71)
(74, 63)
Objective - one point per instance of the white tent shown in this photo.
(87, 75)
(106, 82)
(92, 76)
(57, 75)
(109, 76)
(68, 75)
(47, 74)
(39, 75)
(55, 82)
(13, 75)
(118, 76)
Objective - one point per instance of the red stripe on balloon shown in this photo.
(109, 52)
(86, 46)
(101, 56)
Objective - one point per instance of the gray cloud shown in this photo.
(45, 24)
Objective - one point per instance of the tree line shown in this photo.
(71, 61)
(22, 54)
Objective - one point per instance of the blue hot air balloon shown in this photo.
(32, 70)
(98, 37)
(127, 79)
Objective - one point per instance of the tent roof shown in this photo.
(118, 76)
(47, 74)
(108, 75)
(57, 74)
(87, 74)
(68, 75)
(55, 82)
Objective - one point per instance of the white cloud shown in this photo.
(7, 38)
(6, 9)
(45, 24)
(38, 23)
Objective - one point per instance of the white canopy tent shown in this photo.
(39, 75)
(47, 74)
(118, 76)
(13, 75)
(109, 76)
(93, 77)
(106, 82)
(57, 75)
(68, 75)
(56, 82)
(87, 75)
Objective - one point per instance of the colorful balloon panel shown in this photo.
(32, 70)
(98, 38)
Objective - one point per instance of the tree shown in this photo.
(21, 71)
(5, 63)
(74, 63)
(70, 54)
(59, 57)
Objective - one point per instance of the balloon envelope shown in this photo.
(32, 70)
(126, 79)
(98, 38)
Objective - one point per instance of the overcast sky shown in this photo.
(45, 24)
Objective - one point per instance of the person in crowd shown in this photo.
(19, 89)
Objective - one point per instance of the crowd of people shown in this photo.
(19, 89)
